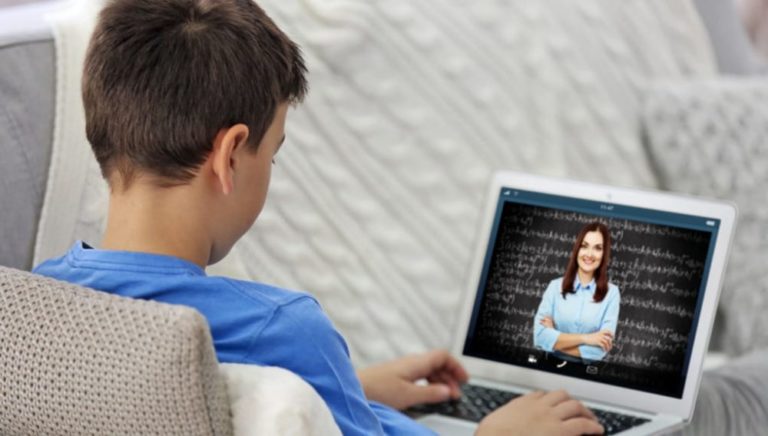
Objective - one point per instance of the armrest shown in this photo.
(733, 398)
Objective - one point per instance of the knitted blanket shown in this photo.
(375, 198)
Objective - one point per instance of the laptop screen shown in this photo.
(593, 290)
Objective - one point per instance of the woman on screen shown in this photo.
(578, 313)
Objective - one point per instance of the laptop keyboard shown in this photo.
(478, 401)
(474, 404)
(616, 422)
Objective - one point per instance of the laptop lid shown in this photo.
(664, 259)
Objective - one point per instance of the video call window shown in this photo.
(599, 291)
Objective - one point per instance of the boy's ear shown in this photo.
(223, 155)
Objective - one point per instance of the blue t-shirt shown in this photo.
(250, 323)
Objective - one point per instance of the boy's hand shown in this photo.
(539, 413)
(393, 383)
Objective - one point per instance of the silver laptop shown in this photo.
(531, 319)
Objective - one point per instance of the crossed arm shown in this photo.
(569, 342)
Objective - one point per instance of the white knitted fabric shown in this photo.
(75, 197)
(711, 138)
(75, 361)
(376, 194)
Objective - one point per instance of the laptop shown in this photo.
(656, 265)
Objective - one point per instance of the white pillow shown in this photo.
(709, 138)
(274, 401)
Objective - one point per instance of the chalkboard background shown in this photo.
(657, 268)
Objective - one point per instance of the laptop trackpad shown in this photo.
(445, 426)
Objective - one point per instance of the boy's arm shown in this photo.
(300, 338)
(394, 383)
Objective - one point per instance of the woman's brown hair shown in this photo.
(601, 275)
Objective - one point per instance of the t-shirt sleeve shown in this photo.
(300, 338)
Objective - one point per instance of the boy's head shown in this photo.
(163, 77)
(173, 89)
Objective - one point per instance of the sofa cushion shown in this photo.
(709, 138)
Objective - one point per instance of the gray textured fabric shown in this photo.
(733, 50)
(709, 138)
(733, 399)
(26, 126)
(78, 361)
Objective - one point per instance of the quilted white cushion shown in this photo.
(711, 138)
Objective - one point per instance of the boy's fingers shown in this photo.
(432, 393)
(444, 362)
(427, 364)
(446, 379)
(580, 426)
(555, 397)
(573, 409)
(533, 395)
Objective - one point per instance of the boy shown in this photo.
(185, 104)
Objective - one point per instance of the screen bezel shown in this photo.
(591, 390)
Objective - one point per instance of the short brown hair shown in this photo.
(162, 77)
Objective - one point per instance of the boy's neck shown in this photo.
(158, 221)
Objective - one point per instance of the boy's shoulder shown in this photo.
(156, 277)
(261, 292)
(249, 321)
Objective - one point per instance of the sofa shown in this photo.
(403, 113)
